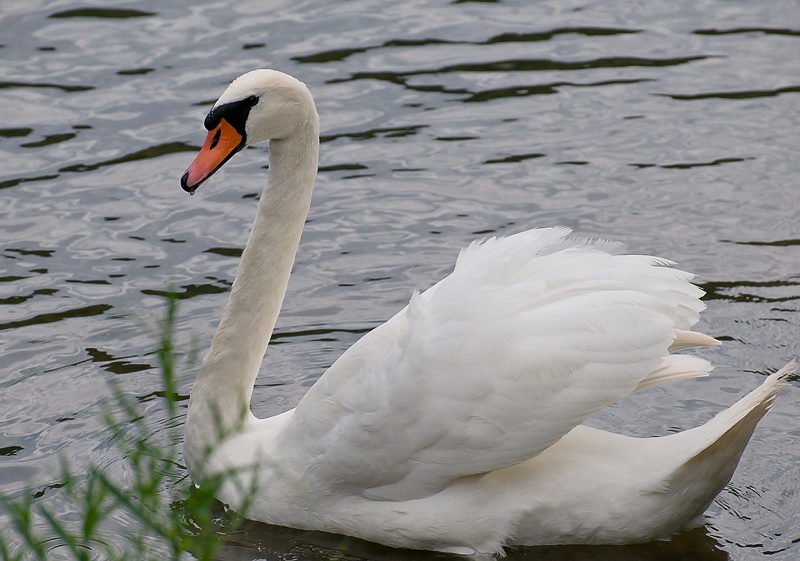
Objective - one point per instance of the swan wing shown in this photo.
(530, 335)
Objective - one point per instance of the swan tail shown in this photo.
(737, 423)
(677, 367)
(720, 443)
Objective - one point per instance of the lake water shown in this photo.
(670, 126)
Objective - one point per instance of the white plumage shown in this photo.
(492, 365)
(456, 425)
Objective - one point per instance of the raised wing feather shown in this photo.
(529, 336)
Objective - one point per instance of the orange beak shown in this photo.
(221, 143)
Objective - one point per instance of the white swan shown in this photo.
(455, 426)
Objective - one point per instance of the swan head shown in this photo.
(260, 105)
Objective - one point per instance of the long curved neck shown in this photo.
(221, 396)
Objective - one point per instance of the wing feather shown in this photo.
(529, 336)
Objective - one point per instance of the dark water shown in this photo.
(671, 126)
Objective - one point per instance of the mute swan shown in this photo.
(456, 425)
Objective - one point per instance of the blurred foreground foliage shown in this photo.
(165, 516)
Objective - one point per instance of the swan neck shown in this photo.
(221, 396)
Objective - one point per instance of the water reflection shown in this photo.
(283, 543)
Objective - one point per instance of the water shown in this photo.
(669, 126)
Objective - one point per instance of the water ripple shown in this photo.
(671, 126)
(339, 55)
(747, 94)
(103, 13)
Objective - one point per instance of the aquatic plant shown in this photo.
(163, 514)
